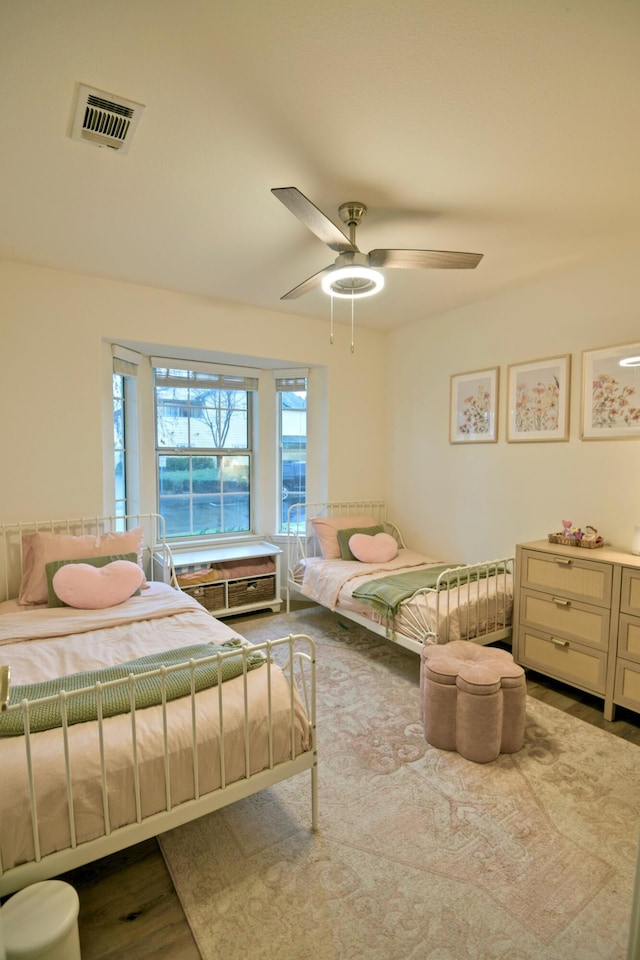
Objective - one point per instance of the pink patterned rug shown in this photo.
(420, 853)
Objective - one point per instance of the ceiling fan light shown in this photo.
(352, 281)
(630, 362)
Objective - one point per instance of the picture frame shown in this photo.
(473, 409)
(538, 400)
(611, 393)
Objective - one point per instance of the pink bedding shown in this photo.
(40, 644)
(451, 615)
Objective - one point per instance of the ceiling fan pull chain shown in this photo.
(331, 334)
(352, 321)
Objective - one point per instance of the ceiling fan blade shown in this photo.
(424, 259)
(308, 284)
(313, 218)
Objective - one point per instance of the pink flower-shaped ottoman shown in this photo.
(472, 699)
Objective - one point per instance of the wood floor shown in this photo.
(129, 909)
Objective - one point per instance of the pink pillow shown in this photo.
(93, 588)
(377, 549)
(39, 549)
(326, 530)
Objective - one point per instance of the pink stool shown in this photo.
(473, 700)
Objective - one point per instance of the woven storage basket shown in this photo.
(251, 591)
(210, 596)
(571, 542)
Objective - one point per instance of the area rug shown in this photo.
(420, 853)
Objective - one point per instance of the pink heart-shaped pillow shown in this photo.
(93, 588)
(377, 549)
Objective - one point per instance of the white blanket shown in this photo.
(28, 623)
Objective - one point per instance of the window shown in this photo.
(195, 442)
(119, 446)
(124, 401)
(204, 448)
(291, 391)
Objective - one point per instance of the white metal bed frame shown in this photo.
(419, 627)
(300, 668)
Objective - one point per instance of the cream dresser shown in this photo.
(577, 618)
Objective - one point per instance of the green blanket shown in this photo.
(148, 692)
(386, 594)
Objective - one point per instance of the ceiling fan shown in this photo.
(353, 274)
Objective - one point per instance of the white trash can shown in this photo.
(41, 923)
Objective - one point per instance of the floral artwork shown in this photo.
(538, 400)
(537, 405)
(612, 402)
(474, 406)
(611, 393)
(475, 412)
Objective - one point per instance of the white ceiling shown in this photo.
(505, 127)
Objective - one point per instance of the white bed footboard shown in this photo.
(178, 760)
(470, 602)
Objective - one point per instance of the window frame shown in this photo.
(125, 368)
(265, 478)
(289, 381)
(217, 379)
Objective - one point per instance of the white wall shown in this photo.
(457, 501)
(53, 326)
(476, 501)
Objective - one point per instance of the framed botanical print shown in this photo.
(611, 393)
(538, 400)
(473, 412)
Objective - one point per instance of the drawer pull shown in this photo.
(563, 561)
(558, 642)
(561, 602)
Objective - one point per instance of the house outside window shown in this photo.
(204, 449)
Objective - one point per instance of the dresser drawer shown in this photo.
(582, 666)
(629, 637)
(570, 619)
(564, 576)
(627, 686)
(630, 593)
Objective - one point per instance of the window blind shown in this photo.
(125, 361)
(290, 381)
(181, 373)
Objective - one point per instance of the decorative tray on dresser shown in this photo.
(577, 619)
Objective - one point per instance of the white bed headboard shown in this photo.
(302, 542)
(11, 534)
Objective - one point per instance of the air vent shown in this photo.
(105, 120)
